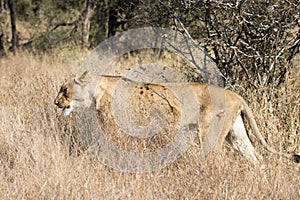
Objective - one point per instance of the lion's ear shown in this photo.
(84, 78)
(70, 80)
(72, 77)
(85, 75)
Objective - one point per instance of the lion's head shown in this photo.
(74, 93)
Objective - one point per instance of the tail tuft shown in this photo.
(296, 158)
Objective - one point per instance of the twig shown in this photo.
(75, 23)
(180, 22)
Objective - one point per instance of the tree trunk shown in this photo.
(87, 15)
(14, 39)
(110, 19)
(2, 49)
(112, 22)
(39, 10)
(3, 10)
(106, 17)
(2, 7)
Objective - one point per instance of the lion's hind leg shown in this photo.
(240, 141)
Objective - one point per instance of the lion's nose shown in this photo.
(56, 102)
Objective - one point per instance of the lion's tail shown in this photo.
(250, 117)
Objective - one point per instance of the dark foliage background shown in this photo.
(251, 41)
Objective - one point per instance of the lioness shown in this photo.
(79, 92)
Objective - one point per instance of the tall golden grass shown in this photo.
(40, 160)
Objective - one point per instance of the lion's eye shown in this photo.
(64, 90)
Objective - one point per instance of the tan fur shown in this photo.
(227, 109)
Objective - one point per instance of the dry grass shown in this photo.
(36, 162)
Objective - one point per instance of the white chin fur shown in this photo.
(67, 111)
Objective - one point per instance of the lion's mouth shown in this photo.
(63, 107)
(66, 107)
